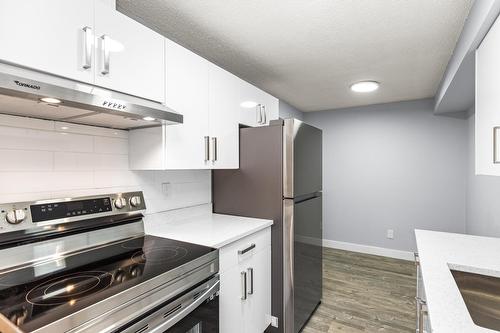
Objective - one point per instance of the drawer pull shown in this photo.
(247, 249)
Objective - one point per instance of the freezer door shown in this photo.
(302, 158)
(303, 256)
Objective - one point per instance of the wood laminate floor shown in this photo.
(365, 293)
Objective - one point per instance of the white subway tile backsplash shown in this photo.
(25, 182)
(26, 160)
(114, 178)
(40, 162)
(64, 161)
(105, 145)
(25, 122)
(30, 139)
(110, 162)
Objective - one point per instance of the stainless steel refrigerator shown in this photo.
(280, 178)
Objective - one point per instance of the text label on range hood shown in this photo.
(83, 107)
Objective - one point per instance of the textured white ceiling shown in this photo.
(308, 52)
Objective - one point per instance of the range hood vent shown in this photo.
(20, 96)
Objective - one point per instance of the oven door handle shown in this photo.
(175, 318)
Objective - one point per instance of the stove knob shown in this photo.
(135, 201)
(120, 276)
(120, 202)
(15, 216)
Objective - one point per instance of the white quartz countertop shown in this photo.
(438, 252)
(200, 226)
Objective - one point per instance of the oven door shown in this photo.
(195, 311)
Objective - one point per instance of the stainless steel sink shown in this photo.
(481, 294)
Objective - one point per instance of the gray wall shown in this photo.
(392, 166)
(288, 111)
(483, 193)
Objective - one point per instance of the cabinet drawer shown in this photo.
(244, 249)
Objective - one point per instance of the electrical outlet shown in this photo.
(390, 233)
(165, 189)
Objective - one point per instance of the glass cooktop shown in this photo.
(34, 296)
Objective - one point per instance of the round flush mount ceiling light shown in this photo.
(148, 118)
(248, 104)
(50, 100)
(365, 86)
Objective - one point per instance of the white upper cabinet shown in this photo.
(84, 40)
(487, 116)
(129, 56)
(270, 107)
(187, 93)
(225, 97)
(49, 36)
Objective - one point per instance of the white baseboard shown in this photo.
(378, 251)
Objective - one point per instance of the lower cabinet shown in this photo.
(245, 284)
(423, 324)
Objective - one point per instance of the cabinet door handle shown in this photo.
(87, 47)
(250, 275)
(243, 286)
(105, 55)
(214, 149)
(252, 246)
(264, 116)
(207, 148)
(422, 311)
(258, 111)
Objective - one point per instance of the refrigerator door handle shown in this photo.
(288, 269)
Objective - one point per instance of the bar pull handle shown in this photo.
(214, 149)
(422, 311)
(252, 246)
(264, 118)
(207, 148)
(105, 55)
(243, 286)
(250, 275)
(87, 47)
(258, 110)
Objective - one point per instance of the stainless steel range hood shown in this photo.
(89, 105)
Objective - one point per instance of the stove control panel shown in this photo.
(25, 215)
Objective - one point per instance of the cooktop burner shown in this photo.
(34, 296)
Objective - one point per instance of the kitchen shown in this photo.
(186, 166)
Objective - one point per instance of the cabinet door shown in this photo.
(259, 302)
(136, 55)
(271, 105)
(187, 93)
(487, 115)
(233, 309)
(48, 36)
(225, 97)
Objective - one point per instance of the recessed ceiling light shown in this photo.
(148, 118)
(365, 86)
(50, 100)
(248, 104)
(64, 127)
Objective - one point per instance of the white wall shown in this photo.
(391, 166)
(483, 193)
(39, 160)
(287, 111)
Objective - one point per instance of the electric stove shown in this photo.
(98, 271)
